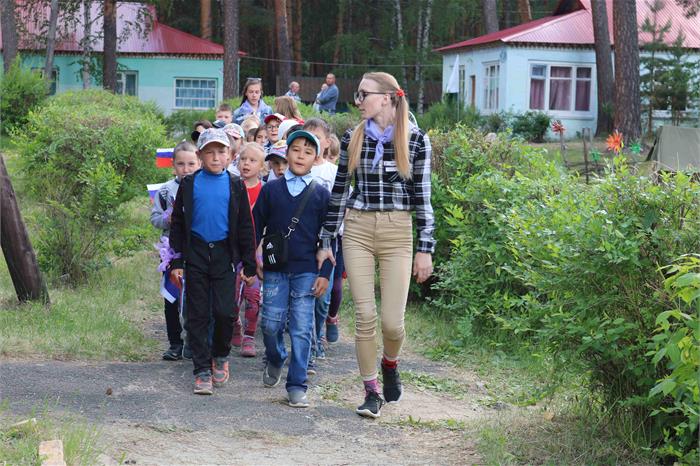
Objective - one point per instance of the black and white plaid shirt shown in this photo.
(382, 189)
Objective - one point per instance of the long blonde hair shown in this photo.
(287, 107)
(387, 83)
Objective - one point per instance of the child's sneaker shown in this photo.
(237, 337)
(372, 407)
(321, 349)
(248, 347)
(220, 371)
(311, 367)
(271, 376)
(298, 399)
(202, 384)
(332, 333)
(174, 353)
(186, 352)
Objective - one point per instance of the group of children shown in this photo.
(236, 187)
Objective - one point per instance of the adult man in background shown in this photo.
(293, 91)
(328, 97)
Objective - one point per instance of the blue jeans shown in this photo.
(321, 313)
(291, 293)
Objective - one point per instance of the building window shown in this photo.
(491, 87)
(54, 78)
(563, 88)
(195, 93)
(126, 82)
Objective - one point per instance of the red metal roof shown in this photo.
(157, 39)
(576, 28)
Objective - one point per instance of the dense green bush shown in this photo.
(180, 123)
(21, 89)
(477, 180)
(530, 255)
(676, 348)
(84, 154)
(447, 114)
(531, 126)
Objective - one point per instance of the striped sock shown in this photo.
(371, 386)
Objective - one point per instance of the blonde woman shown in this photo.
(389, 159)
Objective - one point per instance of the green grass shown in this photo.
(20, 438)
(100, 321)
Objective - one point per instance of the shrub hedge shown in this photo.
(21, 90)
(84, 154)
(537, 257)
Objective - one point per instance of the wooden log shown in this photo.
(20, 257)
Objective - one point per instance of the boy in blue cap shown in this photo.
(210, 240)
(294, 206)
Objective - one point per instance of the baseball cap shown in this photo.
(219, 124)
(306, 135)
(286, 125)
(278, 116)
(279, 149)
(212, 135)
(234, 130)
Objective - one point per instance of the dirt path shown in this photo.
(151, 417)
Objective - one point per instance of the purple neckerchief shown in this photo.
(372, 132)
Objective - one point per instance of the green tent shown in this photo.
(676, 149)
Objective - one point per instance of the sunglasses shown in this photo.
(360, 96)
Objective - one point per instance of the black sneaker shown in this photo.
(174, 353)
(186, 352)
(372, 406)
(392, 388)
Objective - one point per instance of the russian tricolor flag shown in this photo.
(153, 190)
(164, 158)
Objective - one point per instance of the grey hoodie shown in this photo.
(164, 200)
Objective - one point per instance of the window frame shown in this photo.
(122, 91)
(571, 112)
(175, 97)
(487, 81)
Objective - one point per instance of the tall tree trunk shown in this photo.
(205, 18)
(419, 41)
(604, 68)
(283, 41)
(524, 10)
(297, 35)
(51, 42)
(490, 16)
(339, 30)
(231, 58)
(424, 55)
(109, 54)
(86, 43)
(9, 32)
(399, 36)
(627, 107)
(20, 257)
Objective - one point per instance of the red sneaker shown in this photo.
(219, 372)
(202, 384)
(248, 347)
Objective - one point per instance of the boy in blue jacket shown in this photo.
(289, 291)
(212, 231)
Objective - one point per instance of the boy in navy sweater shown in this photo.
(212, 231)
(290, 292)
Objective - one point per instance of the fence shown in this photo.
(311, 85)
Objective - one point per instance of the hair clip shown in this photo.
(400, 92)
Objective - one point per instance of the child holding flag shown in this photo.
(184, 162)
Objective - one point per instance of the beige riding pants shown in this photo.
(386, 238)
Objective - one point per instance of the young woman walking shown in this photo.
(389, 159)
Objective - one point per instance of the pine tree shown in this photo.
(651, 60)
